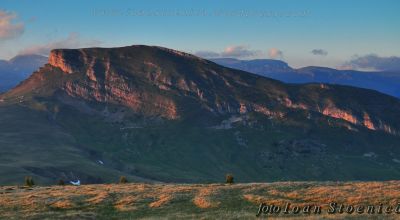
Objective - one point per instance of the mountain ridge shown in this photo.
(384, 81)
(70, 61)
(162, 115)
(17, 69)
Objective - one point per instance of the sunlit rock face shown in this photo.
(349, 117)
(103, 84)
(368, 122)
(338, 113)
(67, 61)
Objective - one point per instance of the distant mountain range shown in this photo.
(157, 114)
(385, 82)
(17, 69)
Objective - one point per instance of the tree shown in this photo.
(29, 181)
(229, 178)
(123, 180)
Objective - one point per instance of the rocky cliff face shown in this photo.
(67, 60)
(102, 83)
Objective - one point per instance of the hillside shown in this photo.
(156, 114)
(197, 201)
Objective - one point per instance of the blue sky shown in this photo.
(290, 30)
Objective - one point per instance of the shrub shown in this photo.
(229, 178)
(123, 179)
(29, 181)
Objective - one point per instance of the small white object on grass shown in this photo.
(77, 183)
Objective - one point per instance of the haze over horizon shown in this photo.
(362, 36)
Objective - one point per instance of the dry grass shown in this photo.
(62, 204)
(182, 200)
(98, 198)
(203, 197)
(125, 203)
(162, 200)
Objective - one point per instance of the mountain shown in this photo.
(17, 69)
(157, 114)
(385, 82)
(255, 66)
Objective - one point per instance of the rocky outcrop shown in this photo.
(341, 114)
(57, 59)
(368, 122)
(364, 121)
(116, 90)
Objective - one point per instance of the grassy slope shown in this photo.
(190, 201)
(181, 151)
(32, 144)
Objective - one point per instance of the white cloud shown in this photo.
(238, 51)
(9, 29)
(72, 41)
(275, 53)
(373, 62)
